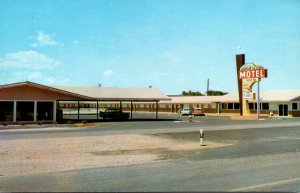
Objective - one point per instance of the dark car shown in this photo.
(114, 113)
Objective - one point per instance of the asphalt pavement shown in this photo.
(264, 156)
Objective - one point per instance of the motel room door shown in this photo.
(283, 110)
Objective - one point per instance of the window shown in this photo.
(230, 105)
(236, 105)
(295, 106)
(265, 106)
(6, 111)
(251, 106)
(224, 105)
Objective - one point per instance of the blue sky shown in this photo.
(173, 45)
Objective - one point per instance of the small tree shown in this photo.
(215, 93)
(191, 93)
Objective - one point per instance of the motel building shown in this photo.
(285, 103)
(27, 102)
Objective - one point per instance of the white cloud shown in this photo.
(38, 77)
(43, 39)
(28, 59)
(31, 76)
(108, 72)
(58, 81)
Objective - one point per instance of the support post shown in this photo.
(156, 110)
(57, 109)
(97, 110)
(258, 100)
(218, 108)
(240, 61)
(15, 112)
(35, 111)
(130, 109)
(78, 108)
(54, 111)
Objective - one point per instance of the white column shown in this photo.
(54, 111)
(35, 111)
(15, 112)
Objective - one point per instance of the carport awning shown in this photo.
(117, 94)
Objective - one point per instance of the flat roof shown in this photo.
(266, 96)
(117, 93)
(192, 99)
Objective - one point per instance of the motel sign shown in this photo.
(259, 72)
(250, 74)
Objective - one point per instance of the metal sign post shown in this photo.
(258, 100)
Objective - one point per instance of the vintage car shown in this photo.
(198, 112)
(114, 113)
(185, 111)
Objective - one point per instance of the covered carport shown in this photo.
(106, 97)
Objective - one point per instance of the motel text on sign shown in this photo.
(257, 73)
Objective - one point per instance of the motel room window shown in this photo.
(6, 111)
(236, 105)
(230, 105)
(295, 106)
(265, 106)
(251, 106)
(25, 111)
(224, 105)
(44, 111)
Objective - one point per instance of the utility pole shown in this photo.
(207, 88)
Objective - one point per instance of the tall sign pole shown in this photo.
(240, 61)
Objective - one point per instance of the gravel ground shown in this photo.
(34, 156)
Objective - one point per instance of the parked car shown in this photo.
(198, 112)
(185, 111)
(114, 113)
